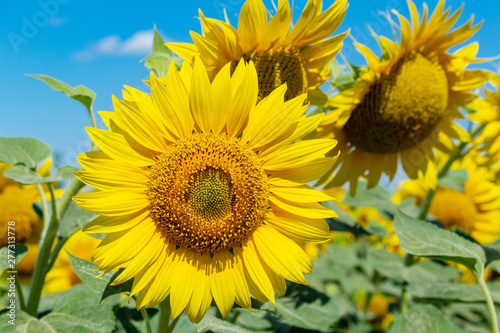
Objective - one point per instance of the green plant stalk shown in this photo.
(92, 121)
(48, 237)
(43, 255)
(20, 295)
(45, 208)
(163, 323)
(146, 320)
(489, 302)
(57, 249)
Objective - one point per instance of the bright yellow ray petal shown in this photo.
(117, 147)
(222, 281)
(113, 203)
(299, 228)
(311, 210)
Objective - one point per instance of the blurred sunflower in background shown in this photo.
(16, 204)
(476, 209)
(488, 113)
(62, 276)
(297, 56)
(380, 316)
(404, 105)
(203, 190)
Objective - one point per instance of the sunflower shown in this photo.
(479, 202)
(16, 204)
(405, 103)
(203, 191)
(62, 277)
(488, 113)
(297, 56)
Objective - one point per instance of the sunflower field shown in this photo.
(261, 180)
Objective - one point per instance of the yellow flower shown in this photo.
(62, 277)
(475, 210)
(16, 204)
(489, 115)
(404, 105)
(297, 56)
(378, 307)
(203, 191)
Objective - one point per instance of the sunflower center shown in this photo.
(277, 67)
(401, 109)
(208, 193)
(453, 208)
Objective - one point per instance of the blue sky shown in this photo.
(99, 44)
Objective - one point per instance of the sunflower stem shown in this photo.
(430, 194)
(19, 291)
(43, 256)
(146, 320)
(45, 208)
(47, 240)
(489, 302)
(92, 121)
(163, 323)
(57, 249)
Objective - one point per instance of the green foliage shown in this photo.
(424, 319)
(78, 310)
(453, 292)
(86, 272)
(377, 197)
(160, 57)
(433, 242)
(25, 151)
(26, 176)
(81, 94)
(15, 254)
(74, 218)
(454, 180)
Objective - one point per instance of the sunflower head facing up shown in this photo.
(404, 105)
(203, 190)
(297, 56)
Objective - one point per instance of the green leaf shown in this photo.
(12, 255)
(77, 311)
(74, 218)
(454, 180)
(453, 292)
(377, 197)
(210, 323)
(86, 272)
(26, 151)
(81, 94)
(430, 271)
(305, 307)
(424, 319)
(161, 56)
(427, 240)
(388, 264)
(26, 176)
(111, 290)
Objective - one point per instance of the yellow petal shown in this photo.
(201, 98)
(311, 210)
(183, 281)
(222, 281)
(117, 147)
(282, 255)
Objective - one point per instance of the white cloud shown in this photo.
(138, 44)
